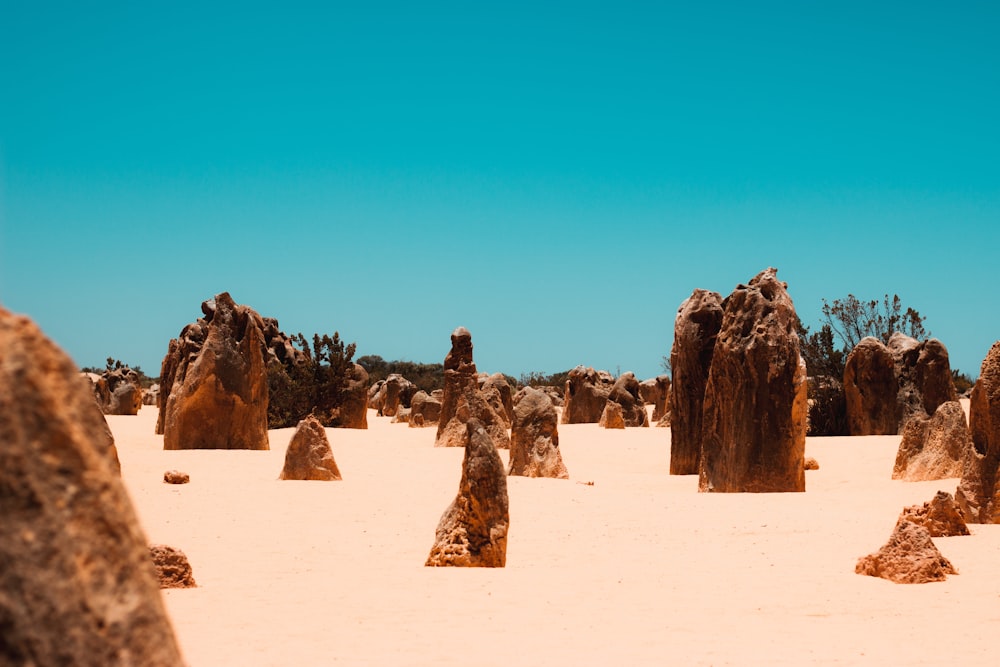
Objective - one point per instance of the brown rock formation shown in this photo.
(76, 585)
(696, 328)
(473, 530)
(625, 392)
(661, 397)
(353, 409)
(218, 398)
(979, 492)
(119, 392)
(151, 396)
(923, 375)
(612, 416)
(810, 463)
(870, 389)
(376, 396)
(309, 456)
(425, 410)
(397, 392)
(498, 382)
(585, 395)
(463, 401)
(534, 438)
(941, 517)
(172, 567)
(176, 477)
(909, 557)
(933, 447)
(754, 426)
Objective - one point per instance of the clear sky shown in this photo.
(557, 177)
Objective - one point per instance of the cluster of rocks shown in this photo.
(392, 394)
(76, 581)
(151, 395)
(597, 397)
(117, 391)
(739, 391)
(656, 391)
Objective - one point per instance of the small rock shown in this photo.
(176, 477)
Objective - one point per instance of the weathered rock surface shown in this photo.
(425, 410)
(119, 392)
(176, 477)
(625, 392)
(534, 438)
(933, 447)
(151, 396)
(585, 395)
(870, 389)
(660, 395)
(473, 530)
(498, 382)
(810, 463)
(398, 392)
(978, 492)
(463, 401)
(376, 395)
(941, 517)
(172, 567)
(353, 409)
(923, 375)
(696, 329)
(309, 456)
(76, 584)
(754, 424)
(219, 394)
(612, 416)
(909, 557)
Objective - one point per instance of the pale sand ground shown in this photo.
(638, 569)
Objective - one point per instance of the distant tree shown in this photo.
(313, 384)
(665, 364)
(962, 381)
(112, 364)
(539, 379)
(426, 376)
(851, 319)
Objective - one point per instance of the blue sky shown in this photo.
(556, 178)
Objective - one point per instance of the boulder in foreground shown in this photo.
(309, 456)
(473, 530)
(172, 567)
(909, 557)
(76, 583)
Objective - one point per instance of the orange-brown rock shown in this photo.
(612, 416)
(473, 530)
(978, 492)
(754, 426)
(941, 516)
(218, 398)
(923, 375)
(909, 557)
(352, 411)
(309, 456)
(505, 395)
(585, 395)
(933, 447)
(76, 585)
(173, 570)
(534, 438)
(658, 393)
(870, 389)
(810, 463)
(397, 392)
(625, 392)
(118, 391)
(696, 328)
(176, 477)
(463, 401)
(425, 410)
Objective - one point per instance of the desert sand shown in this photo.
(637, 568)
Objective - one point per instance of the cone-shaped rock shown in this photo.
(979, 493)
(76, 583)
(909, 557)
(534, 438)
(309, 456)
(219, 397)
(696, 328)
(473, 530)
(462, 399)
(933, 447)
(754, 426)
(612, 416)
(173, 570)
(941, 516)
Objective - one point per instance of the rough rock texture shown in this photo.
(696, 328)
(625, 392)
(612, 416)
(534, 438)
(870, 389)
(941, 517)
(473, 530)
(810, 463)
(933, 447)
(978, 493)
(151, 396)
(353, 409)
(172, 567)
(498, 382)
(585, 395)
(923, 375)
(218, 398)
(309, 456)
(118, 391)
(425, 410)
(463, 401)
(660, 395)
(376, 395)
(754, 425)
(176, 477)
(398, 392)
(76, 583)
(909, 557)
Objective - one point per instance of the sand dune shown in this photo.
(636, 569)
